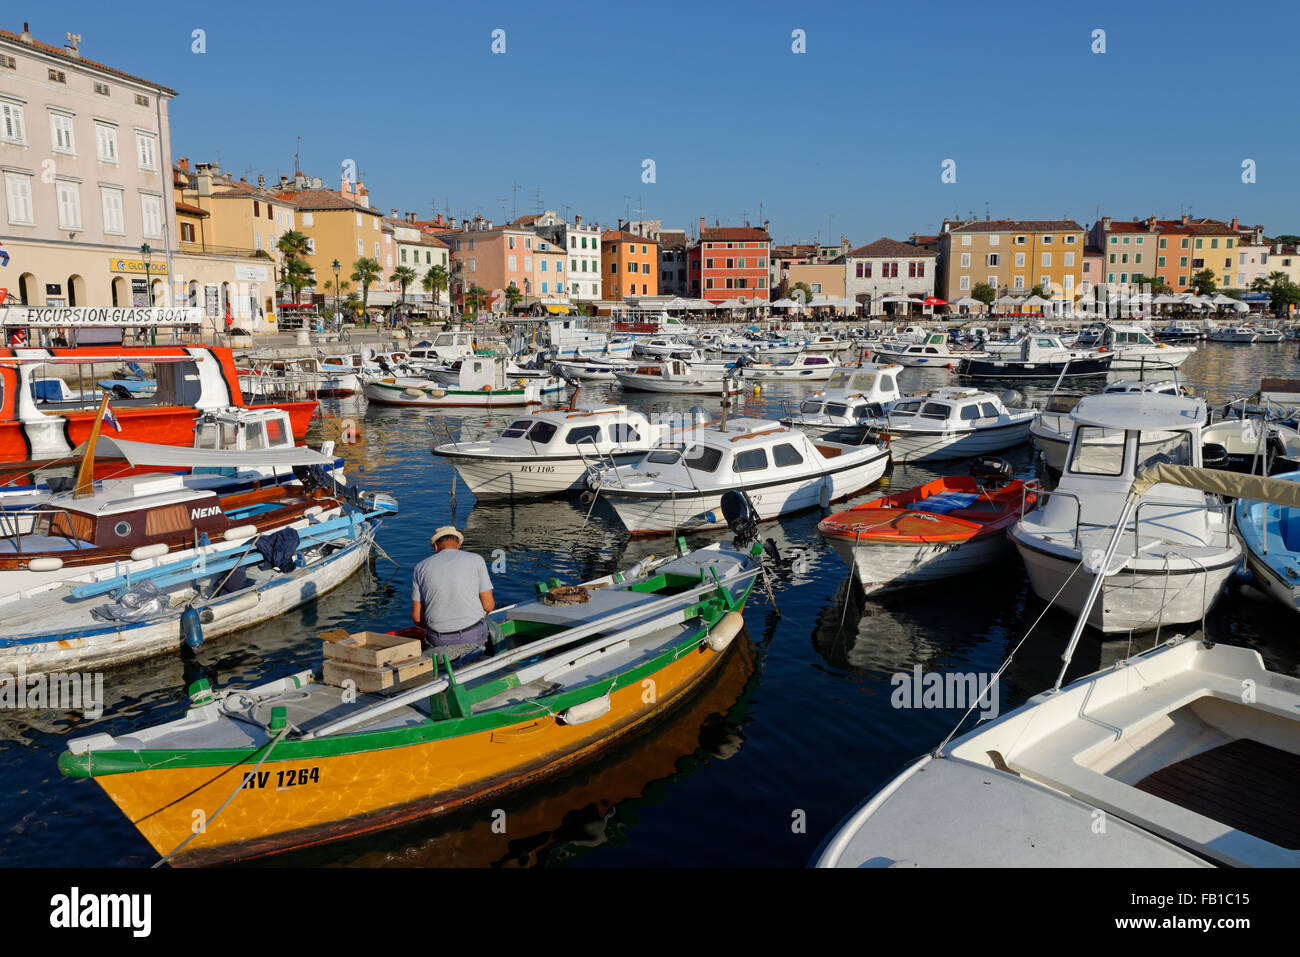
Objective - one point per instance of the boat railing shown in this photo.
(1041, 496)
(13, 530)
(1221, 507)
(603, 460)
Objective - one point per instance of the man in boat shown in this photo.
(451, 592)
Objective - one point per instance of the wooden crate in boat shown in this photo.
(370, 648)
(375, 678)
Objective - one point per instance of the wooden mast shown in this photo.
(85, 486)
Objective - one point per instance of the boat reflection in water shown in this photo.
(560, 819)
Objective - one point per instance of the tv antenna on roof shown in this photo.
(297, 150)
(514, 191)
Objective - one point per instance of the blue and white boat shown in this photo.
(1272, 537)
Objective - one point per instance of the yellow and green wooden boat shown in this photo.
(295, 762)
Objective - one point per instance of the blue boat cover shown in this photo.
(944, 502)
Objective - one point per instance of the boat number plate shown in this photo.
(537, 468)
(291, 777)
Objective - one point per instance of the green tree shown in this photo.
(403, 276)
(984, 293)
(1154, 284)
(297, 274)
(801, 293)
(1203, 283)
(435, 281)
(513, 296)
(1284, 294)
(365, 271)
(475, 296)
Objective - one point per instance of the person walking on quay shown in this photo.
(451, 592)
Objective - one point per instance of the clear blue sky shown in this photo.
(855, 129)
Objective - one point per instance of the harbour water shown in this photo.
(756, 770)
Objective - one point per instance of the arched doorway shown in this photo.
(76, 291)
(158, 295)
(119, 292)
(29, 291)
(192, 298)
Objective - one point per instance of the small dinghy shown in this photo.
(1272, 536)
(298, 761)
(947, 527)
(482, 382)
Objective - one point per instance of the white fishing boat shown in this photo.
(1241, 335)
(824, 342)
(1157, 760)
(661, 347)
(759, 347)
(549, 451)
(854, 395)
(1180, 550)
(677, 376)
(571, 339)
(482, 382)
(934, 350)
(1052, 427)
(953, 423)
(595, 369)
(801, 367)
(1135, 350)
(1268, 335)
(307, 376)
(781, 470)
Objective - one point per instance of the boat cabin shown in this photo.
(561, 431)
(947, 408)
(243, 430)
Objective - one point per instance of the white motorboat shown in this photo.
(760, 348)
(933, 351)
(1052, 428)
(781, 470)
(1135, 350)
(1241, 335)
(808, 368)
(1180, 550)
(953, 423)
(1253, 446)
(482, 383)
(661, 347)
(1268, 335)
(1181, 756)
(591, 369)
(677, 376)
(854, 395)
(305, 376)
(549, 451)
(571, 339)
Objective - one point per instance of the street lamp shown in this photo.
(337, 314)
(148, 290)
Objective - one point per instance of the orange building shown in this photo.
(1174, 250)
(629, 265)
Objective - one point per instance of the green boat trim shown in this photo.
(454, 702)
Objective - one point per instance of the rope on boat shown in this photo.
(997, 676)
(247, 777)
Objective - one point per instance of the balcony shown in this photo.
(209, 249)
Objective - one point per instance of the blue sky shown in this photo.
(856, 129)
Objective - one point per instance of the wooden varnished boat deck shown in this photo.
(1244, 784)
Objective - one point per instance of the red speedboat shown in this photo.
(947, 527)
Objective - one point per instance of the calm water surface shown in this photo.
(797, 727)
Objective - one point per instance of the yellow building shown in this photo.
(337, 227)
(1013, 256)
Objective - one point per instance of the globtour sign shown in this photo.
(77, 316)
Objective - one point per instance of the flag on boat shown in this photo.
(110, 418)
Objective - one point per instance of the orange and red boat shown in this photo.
(947, 527)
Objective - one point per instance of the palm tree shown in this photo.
(297, 273)
(474, 297)
(344, 285)
(513, 296)
(435, 281)
(365, 271)
(403, 276)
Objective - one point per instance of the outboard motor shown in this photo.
(990, 471)
(1014, 399)
(1214, 456)
(740, 516)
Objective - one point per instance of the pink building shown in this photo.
(496, 257)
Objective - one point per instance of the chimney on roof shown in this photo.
(766, 224)
(392, 212)
(577, 219)
(299, 181)
(1184, 219)
(204, 180)
(1105, 223)
(261, 181)
(701, 225)
(1277, 248)
(184, 163)
(284, 182)
(1151, 222)
(26, 35)
(1234, 222)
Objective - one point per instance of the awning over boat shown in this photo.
(171, 456)
(1255, 488)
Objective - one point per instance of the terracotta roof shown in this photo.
(236, 190)
(428, 240)
(189, 210)
(889, 248)
(673, 238)
(529, 220)
(924, 240)
(732, 233)
(63, 54)
(622, 235)
(793, 251)
(321, 199)
(1017, 225)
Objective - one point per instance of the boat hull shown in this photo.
(508, 477)
(915, 445)
(882, 566)
(384, 394)
(331, 795)
(1010, 369)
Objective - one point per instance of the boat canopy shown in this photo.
(171, 456)
(1255, 488)
(1139, 411)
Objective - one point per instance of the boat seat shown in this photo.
(1056, 759)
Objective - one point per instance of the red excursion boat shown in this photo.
(943, 528)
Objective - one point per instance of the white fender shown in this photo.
(234, 606)
(413, 393)
(45, 564)
(312, 512)
(141, 552)
(239, 533)
(721, 634)
(587, 711)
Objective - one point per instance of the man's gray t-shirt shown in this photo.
(447, 584)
